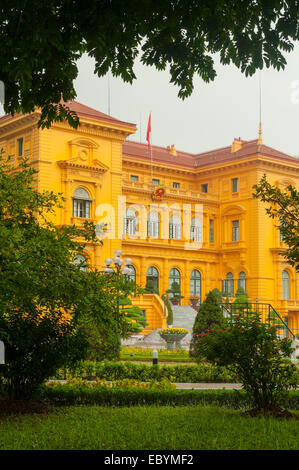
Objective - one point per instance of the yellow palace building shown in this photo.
(180, 217)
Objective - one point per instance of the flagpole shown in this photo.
(149, 143)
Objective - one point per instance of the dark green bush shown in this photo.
(144, 372)
(209, 316)
(104, 396)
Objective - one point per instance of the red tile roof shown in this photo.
(83, 110)
(159, 154)
(212, 157)
(86, 111)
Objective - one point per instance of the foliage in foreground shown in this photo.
(126, 395)
(128, 370)
(41, 43)
(284, 208)
(252, 350)
(45, 297)
(209, 316)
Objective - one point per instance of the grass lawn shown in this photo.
(146, 355)
(146, 428)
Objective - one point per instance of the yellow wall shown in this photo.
(91, 157)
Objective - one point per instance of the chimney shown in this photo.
(236, 145)
(172, 150)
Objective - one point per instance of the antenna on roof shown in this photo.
(260, 139)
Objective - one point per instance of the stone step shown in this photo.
(183, 317)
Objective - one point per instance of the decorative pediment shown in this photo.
(95, 165)
(283, 183)
(84, 155)
(234, 209)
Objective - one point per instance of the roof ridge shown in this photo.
(158, 147)
(89, 111)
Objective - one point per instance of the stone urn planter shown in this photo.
(173, 337)
(194, 302)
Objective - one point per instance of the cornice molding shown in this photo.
(14, 124)
(96, 129)
(255, 160)
(98, 168)
(209, 254)
(221, 167)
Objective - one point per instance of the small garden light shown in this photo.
(155, 357)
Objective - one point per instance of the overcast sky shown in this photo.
(212, 116)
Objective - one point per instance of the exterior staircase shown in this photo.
(183, 317)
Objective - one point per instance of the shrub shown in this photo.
(169, 309)
(216, 292)
(253, 351)
(144, 372)
(133, 396)
(209, 316)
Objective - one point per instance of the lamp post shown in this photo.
(117, 267)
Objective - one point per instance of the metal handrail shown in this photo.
(259, 308)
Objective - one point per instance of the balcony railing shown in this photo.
(188, 193)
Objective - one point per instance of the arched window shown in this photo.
(152, 277)
(81, 203)
(80, 260)
(175, 285)
(196, 230)
(153, 224)
(195, 284)
(175, 226)
(132, 276)
(228, 285)
(242, 280)
(285, 285)
(130, 222)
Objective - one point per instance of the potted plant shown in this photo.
(173, 336)
(194, 299)
(175, 292)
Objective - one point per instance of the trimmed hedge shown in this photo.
(105, 396)
(196, 373)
